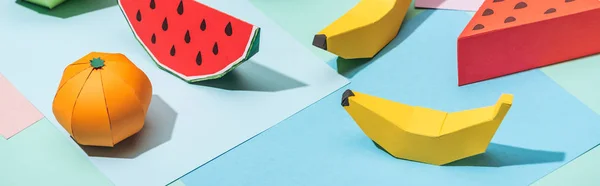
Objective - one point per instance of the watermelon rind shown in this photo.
(251, 50)
(50, 4)
(254, 45)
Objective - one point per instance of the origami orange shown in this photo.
(102, 99)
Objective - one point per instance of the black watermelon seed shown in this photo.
(203, 25)
(165, 24)
(488, 12)
(509, 19)
(520, 5)
(172, 52)
(478, 27)
(187, 37)
(215, 49)
(138, 16)
(152, 4)
(228, 29)
(549, 11)
(496, 1)
(568, 1)
(199, 58)
(180, 7)
(153, 39)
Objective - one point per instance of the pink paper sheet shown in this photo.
(467, 5)
(16, 112)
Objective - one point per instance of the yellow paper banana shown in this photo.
(364, 30)
(423, 134)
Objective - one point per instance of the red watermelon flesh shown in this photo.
(189, 39)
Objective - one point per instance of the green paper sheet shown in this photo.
(579, 77)
(41, 155)
(47, 3)
(177, 183)
(582, 171)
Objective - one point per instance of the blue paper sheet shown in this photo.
(545, 128)
(187, 125)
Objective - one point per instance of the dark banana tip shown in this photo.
(320, 41)
(348, 93)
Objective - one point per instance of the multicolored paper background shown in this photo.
(555, 119)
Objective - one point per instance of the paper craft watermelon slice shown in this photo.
(189, 39)
(509, 36)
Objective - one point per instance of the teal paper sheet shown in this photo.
(42, 155)
(187, 124)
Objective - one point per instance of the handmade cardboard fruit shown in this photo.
(509, 36)
(423, 134)
(364, 30)
(191, 40)
(102, 99)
